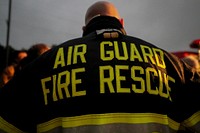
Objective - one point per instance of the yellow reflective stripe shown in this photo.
(194, 119)
(7, 127)
(110, 118)
(173, 124)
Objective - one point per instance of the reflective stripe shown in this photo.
(7, 127)
(194, 119)
(116, 128)
(110, 118)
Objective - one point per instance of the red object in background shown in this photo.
(195, 44)
(182, 54)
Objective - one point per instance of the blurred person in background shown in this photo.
(192, 58)
(192, 61)
(9, 71)
(33, 52)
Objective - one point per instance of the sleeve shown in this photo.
(16, 113)
(191, 99)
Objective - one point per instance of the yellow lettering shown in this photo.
(60, 60)
(160, 83)
(117, 51)
(76, 81)
(139, 79)
(45, 90)
(69, 55)
(167, 85)
(147, 53)
(106, 54)
(55, 98)
(79, 53)
(120, 78)
(108, 79)
(150, 90)
(60, 86)
(135, 53)
(159, 56)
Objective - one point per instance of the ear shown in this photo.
(122, 21)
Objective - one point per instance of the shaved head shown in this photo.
(102, 8)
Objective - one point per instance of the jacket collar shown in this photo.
(103, 22)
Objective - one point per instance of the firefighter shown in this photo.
(103, 82)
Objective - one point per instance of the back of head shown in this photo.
(101, 8)
(102, 15)
(17, 56)
(38, 49)
(33, 52)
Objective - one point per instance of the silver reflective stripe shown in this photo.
(111, 122)
(107, 30)
(116, 128)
